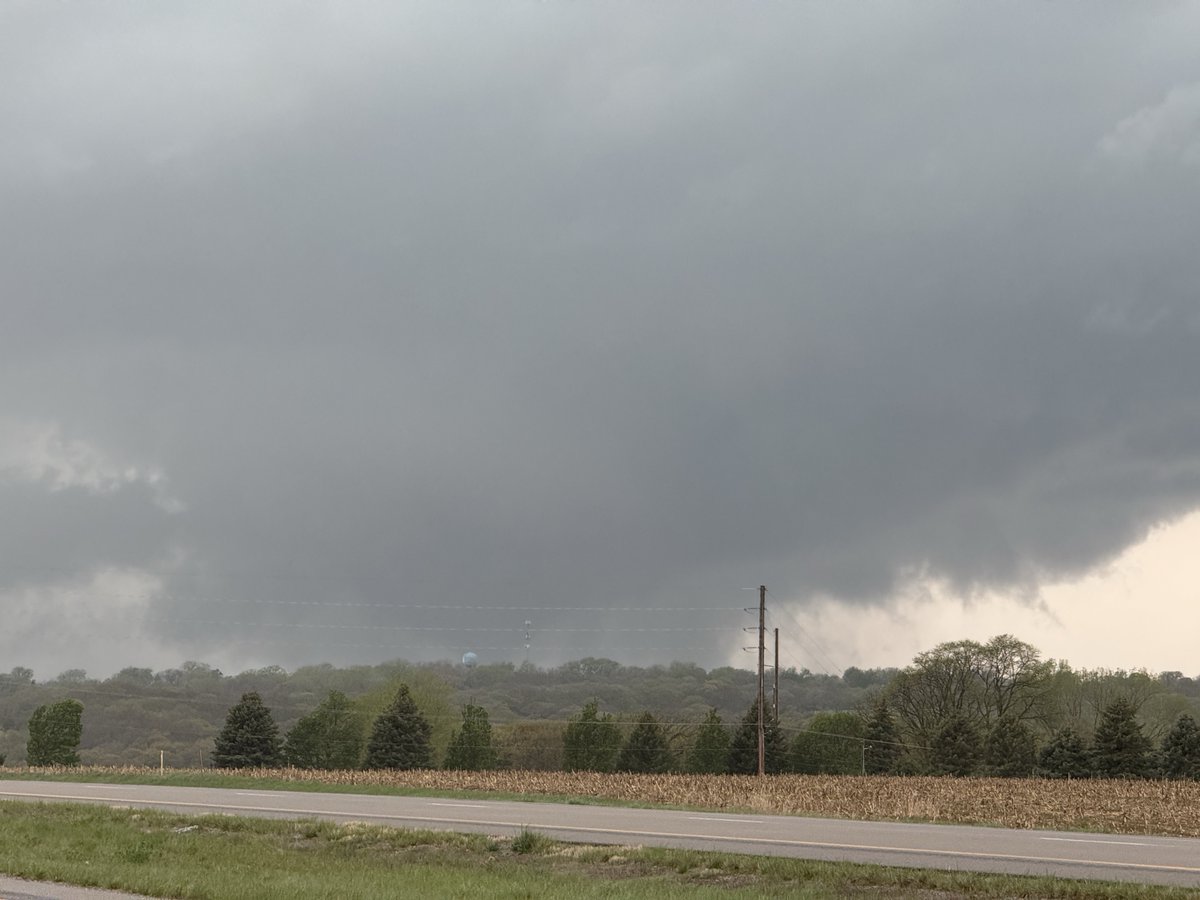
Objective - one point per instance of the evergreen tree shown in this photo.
(1009, 751)
(1181, 749)
(882, 738)
(400, 736)
(330, 737)
(646, 749)
(1119, 748)
(831, 744)
(743, 749)
(591, 741)
(54, 733)
(250, 737)
(1065, 756)
(956, 748)
(471, 747)
(710, 752)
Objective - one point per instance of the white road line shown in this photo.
(1096, 841)
(717, 819)
(361, 815)
(255, 794)
(460, 805)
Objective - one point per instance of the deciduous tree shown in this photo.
(54, 733)
(330, 737)
(536, 746)
(831, 744)
(980, 683)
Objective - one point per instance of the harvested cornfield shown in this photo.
(1120, 807)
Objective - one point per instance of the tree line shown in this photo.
(332, 737)
(962, 708)
(136, 713)
(998, 708)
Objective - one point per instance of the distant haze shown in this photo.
(359, 331)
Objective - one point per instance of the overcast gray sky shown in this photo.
(353, 331)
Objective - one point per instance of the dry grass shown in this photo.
(1120, 807)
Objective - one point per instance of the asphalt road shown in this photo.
(1148, 860)
(21, 889)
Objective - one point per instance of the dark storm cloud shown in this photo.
(560, 306)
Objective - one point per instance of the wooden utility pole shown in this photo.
(762, 680)
(776, 703)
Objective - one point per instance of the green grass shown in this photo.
(218, 857)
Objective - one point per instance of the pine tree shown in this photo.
(330, 737)
(54, 733)
(956, 748)
(471, 747)
(250, 737)
(743, 749)
(1009, 750)
(400, 736)
(1065, 756)
(831, 744)
(591, 741)
(882, 738)
(1119, 748)
(1181, 749)
(710, 752)
(646, 749)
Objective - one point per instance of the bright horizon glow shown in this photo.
(1139, 611)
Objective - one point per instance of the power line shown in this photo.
(456, 648)
(451, 607)
(454, 607)
(814, 646)
(463, 628)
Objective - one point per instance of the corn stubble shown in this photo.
(1121, 807)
